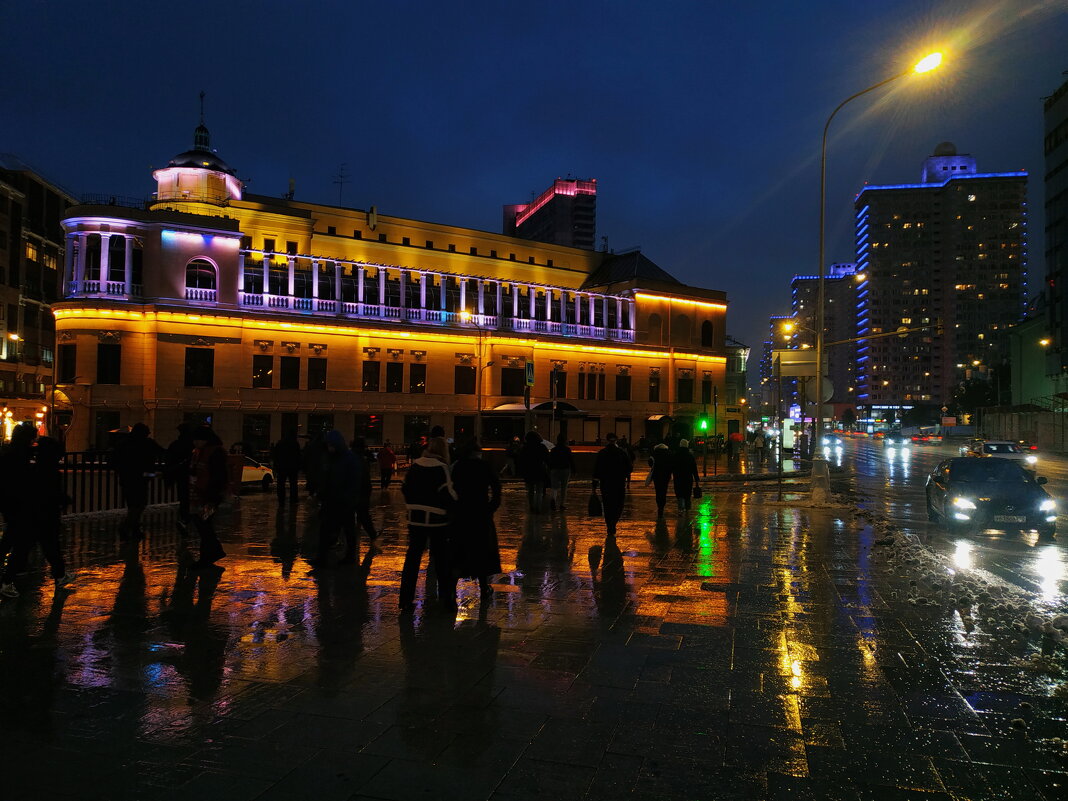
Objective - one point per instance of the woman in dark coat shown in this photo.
(684, 471)
(478, 491)
(532, 463)
(661, 462)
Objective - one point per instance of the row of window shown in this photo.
(200, 372)
(270, 245)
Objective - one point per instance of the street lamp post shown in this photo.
(926, 64)
(467, 317)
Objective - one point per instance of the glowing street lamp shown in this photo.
(924, 65)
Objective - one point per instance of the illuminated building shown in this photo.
(31, 250)
(840, 323)
(1055, 111)
(263, 314)
(952, 248)
(564, 214)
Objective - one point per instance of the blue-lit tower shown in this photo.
(951, 248)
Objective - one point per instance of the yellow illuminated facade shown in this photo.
(261, 314)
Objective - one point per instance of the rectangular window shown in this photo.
(372, 372)
(317, 423)
(513, 380)
(622, 387)
(559, 384)
(416, 426)
(417, 379)
(316, 373)
(291, 248)
(685, 390)
(706, 390)
(654, 387)
(581, 386)
(464, 380)
(394, 376)
(199, 367)
(369, 427)
(256, 434)
(262, 372)
(600, 386)
(108, 363)
(268, 245)
(68, 363)
(289, 373)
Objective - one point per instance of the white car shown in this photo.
(256, 472)
(1003, 449)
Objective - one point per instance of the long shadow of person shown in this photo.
(202, 659)
(684, 534)
(284, 546)
(343, 613)
(610, 589)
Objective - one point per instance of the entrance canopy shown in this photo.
(547, 406)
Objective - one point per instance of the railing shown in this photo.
(89, 479)
(201, 295)
(116, 288)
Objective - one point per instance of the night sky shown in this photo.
(700, 120)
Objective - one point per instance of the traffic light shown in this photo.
(702, 424)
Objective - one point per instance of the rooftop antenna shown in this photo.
(604, 244)
(341, 179)
(292, 188)
(201, 106)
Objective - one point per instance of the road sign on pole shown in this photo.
(530, 374)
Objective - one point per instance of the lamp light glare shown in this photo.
(928, 63)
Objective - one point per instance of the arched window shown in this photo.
(656, 330)
(706, 334)
(200, 274)
(680, 330)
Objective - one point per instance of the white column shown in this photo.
(444, 284)
(381, 286)
(500, 292)
(79, 260)
(463, 294)
(128, 266)
(292, 262)
(359, 283)
(266, 274)
(481, 296)
(604, 311)
(515, 300)
(403, 281)
(315, 281)
(593, 315)
(105, 258)
(533, 297)
(422, 293)
(548, 304)
(619, 313)
(633, 317)
(563, 306)
(68, 261)
(240, 274)
(338, 267)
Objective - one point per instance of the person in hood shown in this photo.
(429, 497)
(209, 478)
(684, 472)
(339, 490)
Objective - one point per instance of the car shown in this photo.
(1003, 449)
(253, 472)
(965, 493)
(896, 440)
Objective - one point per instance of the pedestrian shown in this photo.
(47, 500)
(511, 453)
(314, 462)
(285, 461)
(363, 496)
(660, 475)
(758, 446)
(475, 551)
(209, 479)
(532, 465)
(338, 493)
(176, 463)
(135, 463)
(387, 463)
(611, 469)
(429, 497)
(561, 465)
(684, 473)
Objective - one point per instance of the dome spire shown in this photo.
(201, 137)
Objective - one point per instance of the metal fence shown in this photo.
(90, 480)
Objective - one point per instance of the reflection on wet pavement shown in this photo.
(744, 651)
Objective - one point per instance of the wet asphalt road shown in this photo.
(747, 650)
(893, 485)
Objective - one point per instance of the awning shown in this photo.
(653, 418)
(562, 407)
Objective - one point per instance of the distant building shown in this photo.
(777, 338)
(564, 214)
(31, 260)
(734, 409)
(952, 248)
(839, 321)
(1056, 189)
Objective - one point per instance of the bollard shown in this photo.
(821, 481)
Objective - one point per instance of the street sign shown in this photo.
(810, 390)
(530, 374)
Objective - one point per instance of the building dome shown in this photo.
(201, 156)
(945, 149)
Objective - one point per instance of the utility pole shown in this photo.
(341, 179)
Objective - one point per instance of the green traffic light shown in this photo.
(703, 424)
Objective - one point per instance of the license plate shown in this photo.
(1010, 518)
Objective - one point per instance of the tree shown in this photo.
(973, 394)
(849, 418)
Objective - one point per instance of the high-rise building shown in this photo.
(952, 248)
(31, 257)
(1056, 185)
(839, 323)
(262, 315)
(564, 214)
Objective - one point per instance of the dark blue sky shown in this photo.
(700, 120)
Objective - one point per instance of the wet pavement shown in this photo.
(748, 650)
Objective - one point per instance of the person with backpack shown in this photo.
(429, 497)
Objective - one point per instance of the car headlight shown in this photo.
(1032, 460)
(1047, 505)
(963, 503)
